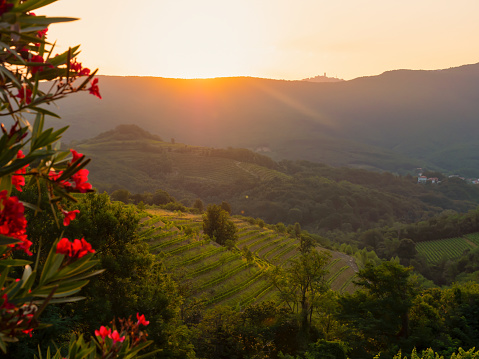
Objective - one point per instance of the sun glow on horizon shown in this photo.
(279, 39)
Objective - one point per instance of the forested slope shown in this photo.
(320, 197)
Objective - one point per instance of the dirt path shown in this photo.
(349, 260)
(471, 243)
(255, 175)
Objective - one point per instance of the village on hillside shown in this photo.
(435, 180)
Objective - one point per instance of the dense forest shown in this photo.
(391, 309)
(389, 298)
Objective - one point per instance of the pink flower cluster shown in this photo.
(12, 221)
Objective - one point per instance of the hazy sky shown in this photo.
(282, 39)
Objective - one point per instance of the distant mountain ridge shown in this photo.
(395, 121)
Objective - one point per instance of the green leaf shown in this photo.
(55, 264)
(66, 300)
(6, 183)
(63, 290)
(85, 276)
(14, 262)
(4, 240)
(45, 112)
(43, 20)
(7, 74)
(3, 276)
(31, 206)
(73, 269)
(52, 256)
(37, 126)
(3, 346)
(31, 5)
(62, 59)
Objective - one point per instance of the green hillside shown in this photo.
(321, 198)
(215, 275)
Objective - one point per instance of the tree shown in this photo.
(297, 230)
(218, 226)
(380, 309)
(199, 205)
(260, 223)
(225, 206)
(302, 283)
(306, 243)
(122, 195)
(162, 197)
(406, 250)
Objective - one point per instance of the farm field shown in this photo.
(214, 275)
(449, 248)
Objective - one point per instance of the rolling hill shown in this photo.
(395, 121)
(320, 197)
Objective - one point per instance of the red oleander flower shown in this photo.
(81, 248)
(54, 176)
(84, 72)
(94, 89)
(12, 221)
(103, 332)
(25, 95)
(69, 216)
(17, 179)
(77, 67)
(64, 246)
(42, 33)
(77, 249)
(141, 319)
(18, 182)
(5, 7)
(38, 59)
(116, 337)
(6, 305)
(80, 178)
(76, 155)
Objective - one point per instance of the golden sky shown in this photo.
(281, 39)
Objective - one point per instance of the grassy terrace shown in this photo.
(216, 275)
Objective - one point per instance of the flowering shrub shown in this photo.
(31, 76)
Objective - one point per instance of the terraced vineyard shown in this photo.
(216, 275)
(263, 173)
(449, 248)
